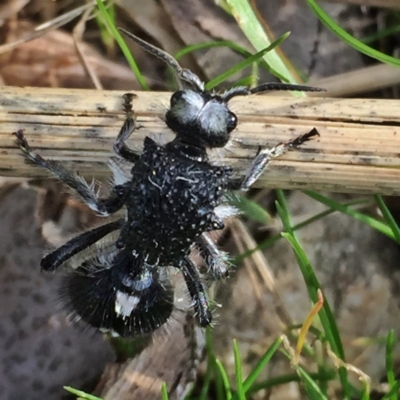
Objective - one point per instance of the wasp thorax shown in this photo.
(200, 118)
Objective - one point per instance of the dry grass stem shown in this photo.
(358, 150)
(364, 80)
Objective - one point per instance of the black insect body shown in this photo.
(173, 196)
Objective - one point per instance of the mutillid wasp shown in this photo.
(172, 196)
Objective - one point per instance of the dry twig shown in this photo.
(358, 150)
(363, 80)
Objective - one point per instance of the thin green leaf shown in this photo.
(388, 217)
(212, 366)
(124, 48)
(250, 208)
(252, 28)
(394, 390)
(268, 242)
(164, 391)
(106, 37)
(389, 363)
(209, 45)
(262, 363)
(349, 39)
(243, 64)
(383, 33)
(224, 5)
(223, 43)
(372, 222)
(322, 383)
(254, 74)
(282, 379)
(365, 394)
(306, 269)
(225, 380)
(325, 213)
(247, 81)
(326, 316)
(81, 394)
(238, 372)
(311, 387)
(204, 395)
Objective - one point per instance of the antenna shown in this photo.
(265, 87)
(183, 73)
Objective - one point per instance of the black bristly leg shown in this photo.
(54, 259)
(86, 191)
(263, 158)
(214, 258)
(126, 131)
(196, 291)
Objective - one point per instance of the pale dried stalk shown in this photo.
(358, 150)
(363, 80)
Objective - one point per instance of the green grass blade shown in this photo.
(106, 37)
(204, 395)
(365, 394)
(164, 391)
(212, 366)
(222, 43)
(249, 207)
(306, 269)
(393, 391)
(80, 394)
(268, 242)
(349, 39)
(372, 222)
(310, 386)
(383, 33)
(243, 64)
(225, 380)
(388, 217)
(238, 372)
(283, 379)
(247, 81)
(209, 45)
(322, 383)
(326, 316)
(262, 363)
(389, 363)
(124, 48)
(252, 28)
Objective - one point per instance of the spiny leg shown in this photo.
(126, 131)
(87, 192)
(263, 158)
(54, 259)
(215, 259)
(196, 291)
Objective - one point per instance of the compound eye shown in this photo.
(232, 122)
(176, 97)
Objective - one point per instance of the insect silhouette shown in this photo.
(172, 197)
